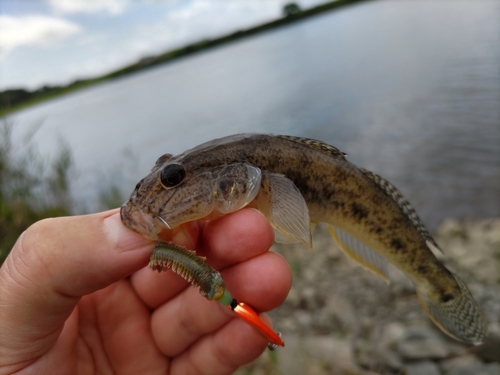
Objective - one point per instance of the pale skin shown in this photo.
(76, 297)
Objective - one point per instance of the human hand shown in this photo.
(68, 305)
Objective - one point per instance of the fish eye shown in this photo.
(172, 175)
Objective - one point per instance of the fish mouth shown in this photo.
(138, 221)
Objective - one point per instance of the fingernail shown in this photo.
(123, 237)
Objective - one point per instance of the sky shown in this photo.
(53, 42)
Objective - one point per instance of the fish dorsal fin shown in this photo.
(361, 253)
(282, 203)
(316, 145)
(405, 206)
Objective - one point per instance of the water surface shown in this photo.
(409, 89)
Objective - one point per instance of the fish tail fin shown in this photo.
(457, 315)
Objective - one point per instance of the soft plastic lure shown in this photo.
(192, 268)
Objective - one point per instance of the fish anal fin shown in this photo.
(458, 315)
(361, 253)
(427, 308)
(284, 206)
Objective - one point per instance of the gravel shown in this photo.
(341, 319)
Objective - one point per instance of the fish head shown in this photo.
(175, 193)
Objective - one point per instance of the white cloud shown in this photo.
(197, 20)
(144, 28)
(33, 30)
(112, 7)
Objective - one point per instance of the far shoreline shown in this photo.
(12, 100)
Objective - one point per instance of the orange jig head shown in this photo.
(249, 315)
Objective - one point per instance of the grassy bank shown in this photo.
(33, 188)
(30, 189)
(16, 99)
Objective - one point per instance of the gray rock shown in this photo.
(384, 325)
(314, 354)
(293, 298)
(491, 233)
(310, 275)
(317, 368)
(473, 246)
(311, 298)
(329, 350)
(423, 341)
(421, 368)
(477, 369)
(391, 359)
(457, 363)
(452, 228)
(386, 351)
(489, 351)
(336, 317)
(304, 319)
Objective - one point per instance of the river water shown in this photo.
(409, 89)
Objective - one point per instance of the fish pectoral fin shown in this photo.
(361, 253)
(458, 315)
(283, 238)
(284, 206)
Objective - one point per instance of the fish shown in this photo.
(296, 183)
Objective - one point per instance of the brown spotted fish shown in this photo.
(296, 183)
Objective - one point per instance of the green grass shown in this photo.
(30, 189)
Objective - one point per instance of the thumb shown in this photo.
(53, 264)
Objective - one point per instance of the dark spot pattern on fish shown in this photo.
(139, 184)
(401, 201)
(423, 270)
(446, 298)
(397, 244)
(359, 212)
(225, 186)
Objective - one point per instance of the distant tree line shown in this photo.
(14, 99)
(9, 98)
(291, 9)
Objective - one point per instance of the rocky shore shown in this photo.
(340, 319)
